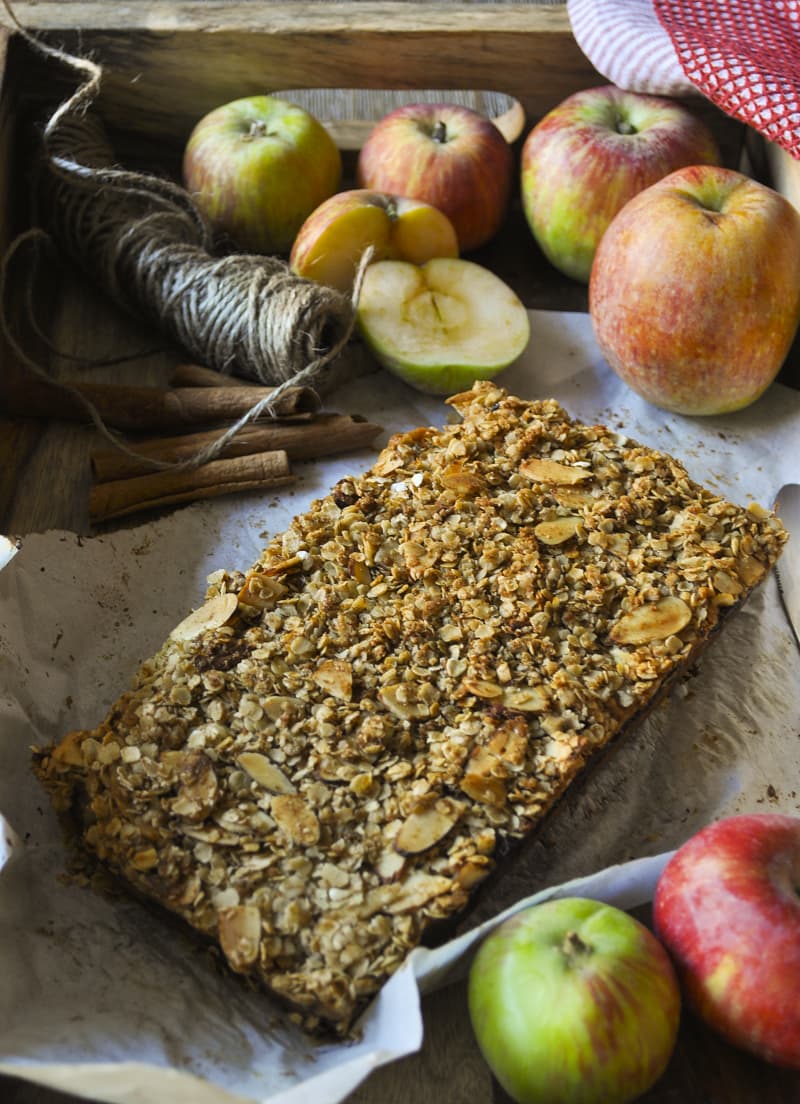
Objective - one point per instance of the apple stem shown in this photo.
(624, 127)
(439, 132)
(573, 945)
(258, 128)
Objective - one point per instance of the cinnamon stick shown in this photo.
(197, 375)
(121, 497)
(137, 409)
(324, 435)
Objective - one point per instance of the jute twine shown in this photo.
(143, 241)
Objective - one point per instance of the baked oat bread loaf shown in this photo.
(329, 756)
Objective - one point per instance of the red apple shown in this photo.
(334, 237)
(727, 908)
(446, 155)
(574, 1002)
(257, 167)
(695, 290)
(587, 157)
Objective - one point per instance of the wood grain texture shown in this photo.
(527, 49)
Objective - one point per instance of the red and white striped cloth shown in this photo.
(743, 55)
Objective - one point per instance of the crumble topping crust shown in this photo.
(330, 753)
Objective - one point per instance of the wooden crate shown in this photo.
(165, 65)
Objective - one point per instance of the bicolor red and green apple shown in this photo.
(574, 1002)
(592, 153)
(256, 168)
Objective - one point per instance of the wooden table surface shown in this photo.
(44, 479)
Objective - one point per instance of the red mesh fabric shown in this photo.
(744, 55)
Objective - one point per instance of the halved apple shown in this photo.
(335, 236)
(441, 325)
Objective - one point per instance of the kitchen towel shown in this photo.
(743, 55)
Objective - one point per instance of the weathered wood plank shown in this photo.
(196, 56)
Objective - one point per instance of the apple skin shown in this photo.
(446, 155)
(592, 1021)
(332, 240)
(694, 295)
(592, 153)
(257, 167)
(727, 908)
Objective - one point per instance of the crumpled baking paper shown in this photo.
(103, 999)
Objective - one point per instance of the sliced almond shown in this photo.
(550, 471)
(484, 789)
(287, 566)
(725, 583)
(653, 621)
(482, 688)
(482, 762)
(463, 481)
(557, 530)
(278, 707)
(388, 462)
(409, 895)
(473, 872)
(330, 769)
(336, 677)
(528, 699)
(240, 935)
(213, 614)
(402, 700)
(294, 817)
(573, 497)
(261, 591)
(425, 827)
(263, 770)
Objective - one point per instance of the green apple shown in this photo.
(574, 1002)
(442, 325)
(335, 236)
(256, 168)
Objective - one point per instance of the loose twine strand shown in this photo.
(143, 240)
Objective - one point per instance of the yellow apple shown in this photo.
(335, 236)
(442, 325)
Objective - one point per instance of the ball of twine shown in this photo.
(142, 239)
(145, 243)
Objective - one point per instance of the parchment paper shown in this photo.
(101, 998)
